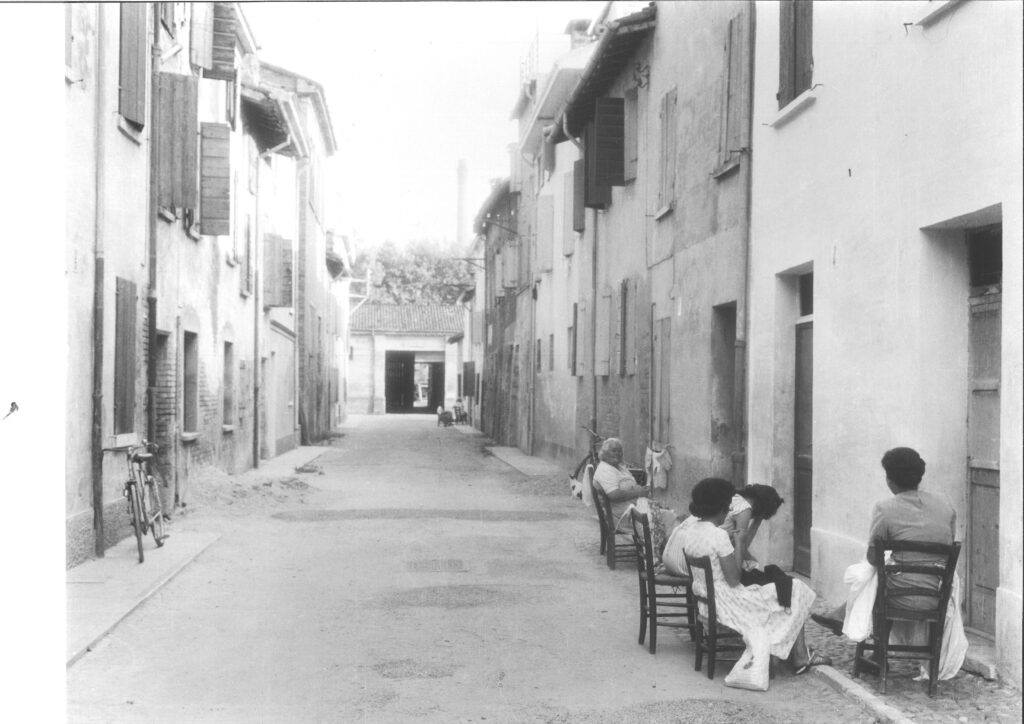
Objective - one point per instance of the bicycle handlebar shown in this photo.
(592, 433)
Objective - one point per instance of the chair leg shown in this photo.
(856, 659)
(699, 658)
(653, 613)
(883, 656)
(935, 636)
(712, 650)
(643, 614)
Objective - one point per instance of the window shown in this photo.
(551, 352)
(229, 383)
(124, 357)
(667, 160)
(132, 76)
(167, 17)
(796, 63)
(985, 255)
(540, 356)
(631, 120)
(723, 382)
(190, 399)
(602, 346)
(806, 283)
(603, 152)
(627, 327)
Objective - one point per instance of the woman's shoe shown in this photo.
(815, 659)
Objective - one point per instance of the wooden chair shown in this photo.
(712, 639)
(887, 611)
(675, 604)
(615, 544)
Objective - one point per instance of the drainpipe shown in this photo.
(256, 296)
(739, 462)
(97, 302)
(593, 325)
(154, 139)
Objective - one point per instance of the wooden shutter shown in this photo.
(578, 208)
(201, 35)
(568, 233)
(602, 342)
(277, 271)
(572, 338)
(215, 178)
(132, 71)
(596, 195)
(666, 190)
(547, 158)
(630, 307)
(787, 40)
(735, 101)
(582, 337)
(124, 357)
(803, 58)
(545, 231)
(609, 139)
(222, 43)
(177, 101)
(630, 126)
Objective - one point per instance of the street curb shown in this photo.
(156, 586)
(859, 695)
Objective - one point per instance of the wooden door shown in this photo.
(802, 432)
(983, 459)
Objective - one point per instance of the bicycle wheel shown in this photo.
(156, 512)
(135, 507)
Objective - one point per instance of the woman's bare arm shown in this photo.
(730, 569)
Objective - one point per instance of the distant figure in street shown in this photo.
(615, 479)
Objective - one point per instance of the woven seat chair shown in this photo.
(615, 544)
(671, 608)
(713, 639)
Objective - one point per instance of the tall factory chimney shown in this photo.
(462, 225)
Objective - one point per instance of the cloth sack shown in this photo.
(862, 580)
(751, 671)
(588, 493)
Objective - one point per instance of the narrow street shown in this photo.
(417, 578)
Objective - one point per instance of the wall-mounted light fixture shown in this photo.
(641, 74)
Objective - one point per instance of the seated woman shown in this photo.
(751, 505)
(744, 608)
(616, 481)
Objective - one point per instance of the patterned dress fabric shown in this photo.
(746, 608)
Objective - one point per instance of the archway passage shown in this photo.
(412, 386)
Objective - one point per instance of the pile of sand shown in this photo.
(216, 492)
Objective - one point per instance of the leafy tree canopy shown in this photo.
(422, 271)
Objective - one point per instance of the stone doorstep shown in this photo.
(981, 657)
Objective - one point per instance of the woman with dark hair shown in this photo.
(751, 505)
(745, 608)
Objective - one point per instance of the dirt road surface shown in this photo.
(407, 575)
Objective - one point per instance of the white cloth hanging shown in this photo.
(588, 493)
(657, 463)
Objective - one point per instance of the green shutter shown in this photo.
(215, 179)
(609, 140)
(803, 58)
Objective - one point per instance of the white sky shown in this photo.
(412, 88)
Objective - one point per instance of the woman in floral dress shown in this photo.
(744, 608)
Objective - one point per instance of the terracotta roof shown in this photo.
(409, 318)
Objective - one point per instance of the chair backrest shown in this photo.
(603, 505)
(705, 601)
(939, 563)
(642, 543)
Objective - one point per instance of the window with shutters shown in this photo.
(229, 383)
(734, 117)
(168, 12)
(667, 160)
(796, 62)
(631, 124)
(190, 396)
(627, 327)
(132, 76)
(215, 179)
(177, 104)
(124, 356)
(551, 352)
(222, 63)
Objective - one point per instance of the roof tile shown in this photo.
(423, 318)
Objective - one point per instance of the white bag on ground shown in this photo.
(751, 671)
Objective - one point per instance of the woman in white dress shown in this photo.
(745, 608)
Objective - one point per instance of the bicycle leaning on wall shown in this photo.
(140, 491)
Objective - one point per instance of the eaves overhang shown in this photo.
(563, 77)
(610, 56)
(498, 191)
(314, 91)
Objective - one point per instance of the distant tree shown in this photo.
(422, 271)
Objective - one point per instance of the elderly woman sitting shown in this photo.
(616, 480)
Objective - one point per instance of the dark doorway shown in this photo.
(399, 381)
